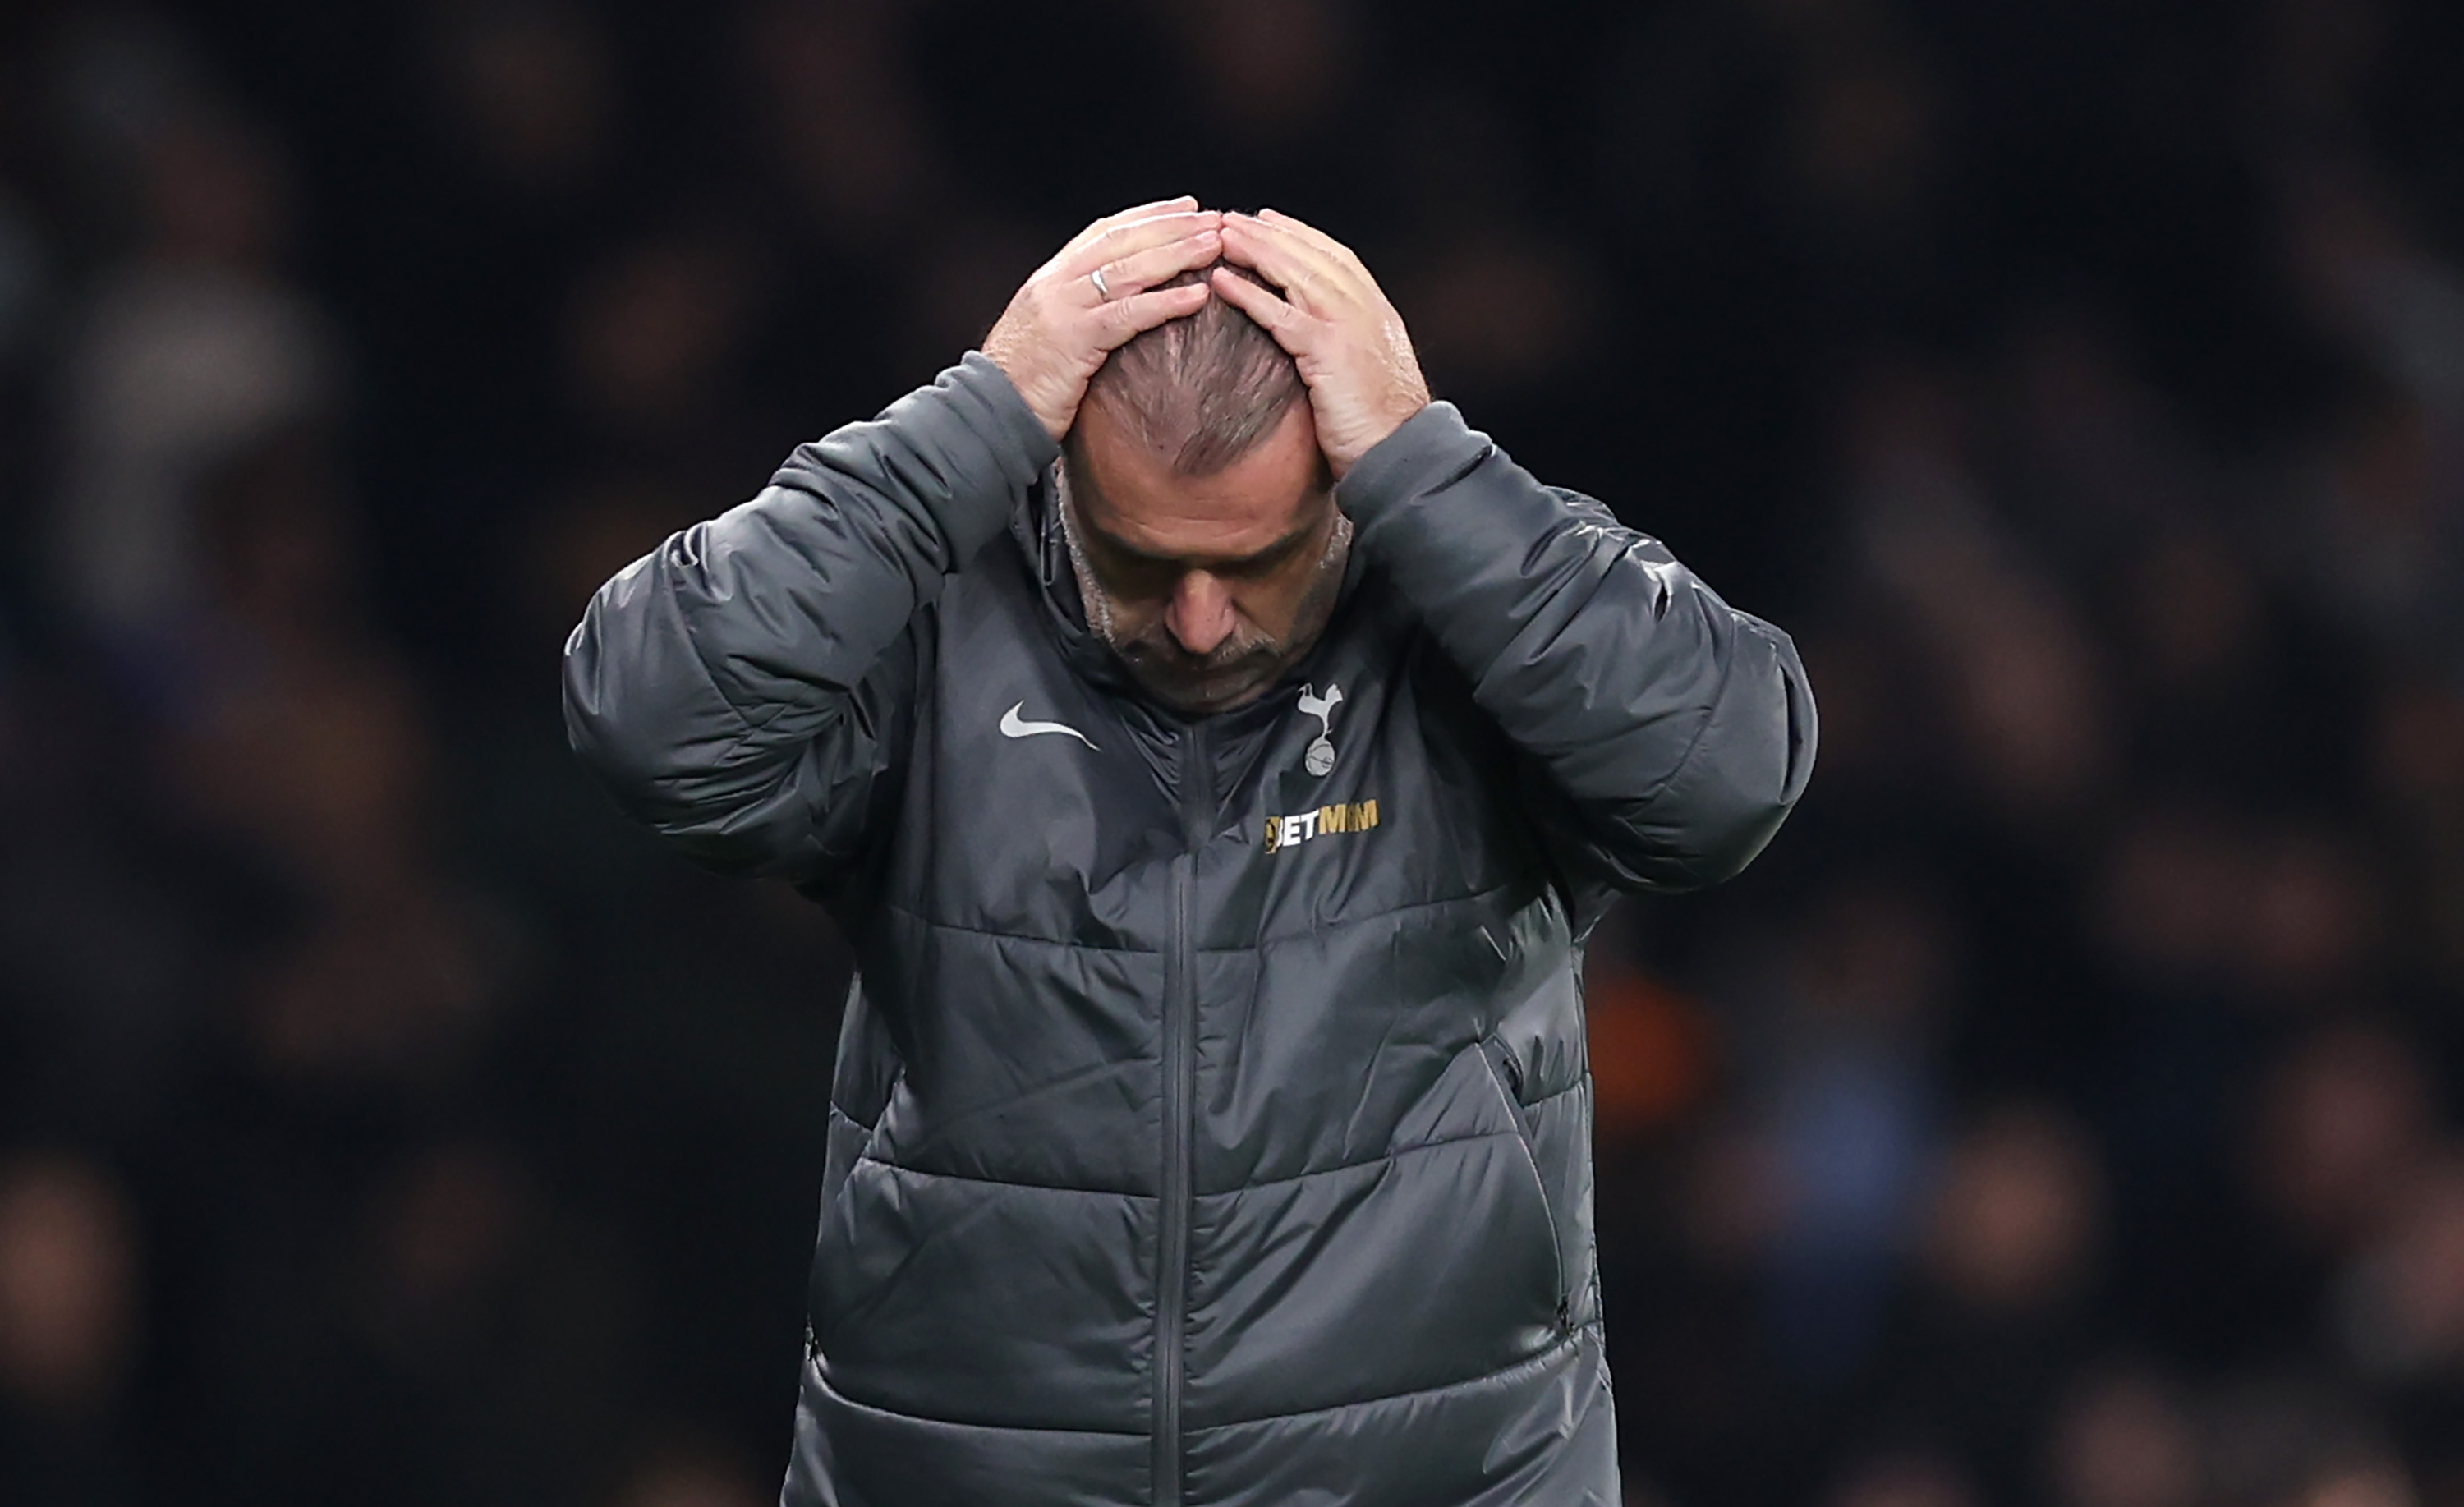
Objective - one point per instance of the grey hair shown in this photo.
(1201, 390)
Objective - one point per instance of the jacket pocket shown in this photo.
(850, 1146)
(1505, 1076)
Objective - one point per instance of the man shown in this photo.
(1215, 753)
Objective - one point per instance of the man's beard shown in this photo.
(1237, 670)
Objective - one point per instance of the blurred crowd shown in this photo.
(2062, 1114)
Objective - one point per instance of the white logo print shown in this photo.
(1320, 757)
(1014, 726)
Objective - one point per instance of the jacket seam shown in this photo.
(1535, 1362)
(1395, 1155)
(1075, 945)
(1072, 944)
(1344, 922)
(996, 1182)
(854, 1401)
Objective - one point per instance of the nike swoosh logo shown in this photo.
(1014, 726)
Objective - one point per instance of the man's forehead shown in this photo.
(1197, 531)
(1192, 550)
(1268, 497)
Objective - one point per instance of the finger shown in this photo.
(1187, 201)
(1312, 236)
(1144, 211)
(1136, 235)
(1313, 247)
(1142, 270)
(1304, 271)
(1115, 322)
(1289, 326)
(1342, 263)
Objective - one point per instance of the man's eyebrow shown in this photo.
(1268, 556)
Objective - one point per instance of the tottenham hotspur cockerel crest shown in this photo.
(1320, 757)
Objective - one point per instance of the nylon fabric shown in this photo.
(1211, 1124)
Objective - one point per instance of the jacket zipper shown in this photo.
(1180, 1051)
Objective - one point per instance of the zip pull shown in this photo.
(1044, 532)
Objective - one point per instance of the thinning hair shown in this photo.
(1203, 390)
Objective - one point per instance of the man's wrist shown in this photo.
(1424, 450)
(1017, 421)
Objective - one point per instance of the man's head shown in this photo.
(1200, 511)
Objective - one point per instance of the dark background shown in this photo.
(2061, 1114)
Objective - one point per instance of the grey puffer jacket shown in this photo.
(1211, 1123)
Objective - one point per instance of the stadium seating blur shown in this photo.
(2063, 1113)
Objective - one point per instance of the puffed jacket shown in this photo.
(1211, 1121)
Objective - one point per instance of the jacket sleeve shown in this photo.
(1680, 730)
(741, 687)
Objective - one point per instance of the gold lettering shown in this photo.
(1292, 831)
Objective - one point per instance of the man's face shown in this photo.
(1207, 586)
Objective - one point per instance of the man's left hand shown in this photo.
(1348, 342)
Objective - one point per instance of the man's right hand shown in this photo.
(1061, 325)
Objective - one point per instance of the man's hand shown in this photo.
(1362, 377)
(1062, 323)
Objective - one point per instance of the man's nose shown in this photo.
(1199, 614)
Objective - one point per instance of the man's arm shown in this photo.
(741, 688)
(1682, 729)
